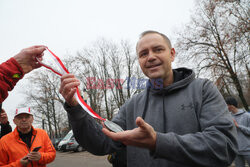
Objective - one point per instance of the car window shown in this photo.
(68, 136)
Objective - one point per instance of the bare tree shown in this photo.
(217, 40)
(105, 68)
(88, 75)
(46, 101)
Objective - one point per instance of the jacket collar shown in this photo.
(16, 134)
(182, 78)
(240, 111)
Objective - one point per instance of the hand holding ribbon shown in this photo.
(71, 88)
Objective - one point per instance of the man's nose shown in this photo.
(151, 57)
(24, 118)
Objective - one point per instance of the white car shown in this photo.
(73, 145)
(63, 143)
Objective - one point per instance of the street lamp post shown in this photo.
(43, 119)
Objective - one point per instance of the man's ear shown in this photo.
(172, 54)
(14, 120)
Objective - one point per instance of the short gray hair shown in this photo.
(155, 32)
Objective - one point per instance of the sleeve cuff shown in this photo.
(19, 68)
(163, 140)
(75, 113)
(154, 153)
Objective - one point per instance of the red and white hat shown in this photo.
(23, 111)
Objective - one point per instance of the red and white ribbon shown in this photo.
(64, 70)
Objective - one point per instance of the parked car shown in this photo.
(63, 143)
(55, 142)
(73, 145)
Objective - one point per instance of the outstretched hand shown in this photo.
(142, 136)
(26, 58)
(236, 124)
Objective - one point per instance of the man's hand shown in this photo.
(3, 117)
(34, 156)
(27, 57)
(143, 136)
(236, 124)
(24, 161)
(68, 88)
(232, 109)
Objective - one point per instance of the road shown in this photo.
(72, 159)
(80, 159)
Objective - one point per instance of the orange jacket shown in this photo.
(13, 149)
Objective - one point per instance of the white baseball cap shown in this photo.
(25, 110)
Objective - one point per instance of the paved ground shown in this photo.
(79, 159)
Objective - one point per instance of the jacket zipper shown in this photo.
(20, 140)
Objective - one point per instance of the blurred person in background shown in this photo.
(4, 123)
(242, 123)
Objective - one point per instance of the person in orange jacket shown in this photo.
(16, 148)
(16, 67)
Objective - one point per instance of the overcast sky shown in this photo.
(66, 26)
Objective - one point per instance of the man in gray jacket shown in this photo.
(242, 123)
(178, 121)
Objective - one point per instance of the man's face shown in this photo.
(231, 108)
(155, 56)
(23, 121)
